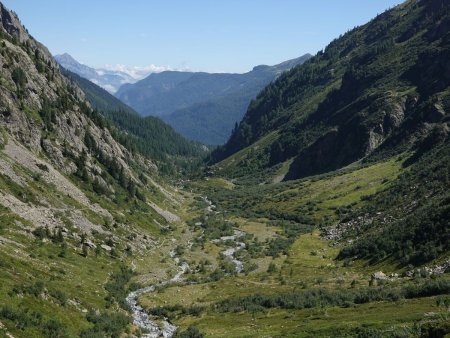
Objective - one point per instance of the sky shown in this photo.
(199, 35)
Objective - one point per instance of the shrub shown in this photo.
(19, 77)
(191, 332)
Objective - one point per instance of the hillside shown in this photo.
(149, 135)
(372, 92)
(78, 202)
(201, 106)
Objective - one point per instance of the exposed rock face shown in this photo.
(46, 127)
(347, 142)
(10, 23)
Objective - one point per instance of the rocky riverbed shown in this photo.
(230, 252)
(146, 322)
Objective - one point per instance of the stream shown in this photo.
(143, 320)
(229, 253)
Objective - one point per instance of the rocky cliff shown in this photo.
(63, 165)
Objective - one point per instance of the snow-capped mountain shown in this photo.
(110, 77)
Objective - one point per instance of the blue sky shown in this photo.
(207, 35)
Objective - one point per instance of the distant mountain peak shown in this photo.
(65, 56)
(109, 77)
(67, 59)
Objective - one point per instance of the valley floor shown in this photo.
(301, 290)
(245, 276)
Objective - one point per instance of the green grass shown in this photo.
(326, 194)
(233, 162)
(310, 264)
(335, 321)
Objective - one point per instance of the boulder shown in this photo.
(106, 247)
(379, 275)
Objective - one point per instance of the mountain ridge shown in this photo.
(201, 106)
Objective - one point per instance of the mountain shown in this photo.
(372, 92)
(151, 136)
(108, 227)
(108, 79)
(79, 197)
(378, 94)
(201, 106)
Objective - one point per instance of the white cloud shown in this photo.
(136, 72)
(109, 88)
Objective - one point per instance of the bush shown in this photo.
(324, 297)
(105, 325)
(24, 318)
(59, 295)
(54, 329)
(116, 287)
(191, 332)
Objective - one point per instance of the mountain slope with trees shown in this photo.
(375, 90)
(379, 93)
(80, 198)
(149, 135)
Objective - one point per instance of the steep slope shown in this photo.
(78, 203)
(409, 221)
(151, 136)
(375, 90)
(201, 106)
(107, 79)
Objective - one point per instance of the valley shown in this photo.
(210, 278)
(325, 214)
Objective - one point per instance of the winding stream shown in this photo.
(143, 320)
(230, 252)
